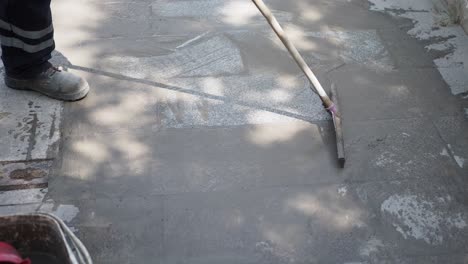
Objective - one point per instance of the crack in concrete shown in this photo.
(52, 126)
(32, 135)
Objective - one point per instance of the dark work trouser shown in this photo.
(26, 34)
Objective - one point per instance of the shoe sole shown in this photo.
(27, 86)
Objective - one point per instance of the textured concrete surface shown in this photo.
(29, 124)
(201, 141)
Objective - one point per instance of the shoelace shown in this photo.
(54, 70)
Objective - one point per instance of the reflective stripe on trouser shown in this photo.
(26, 35)
(16, 35)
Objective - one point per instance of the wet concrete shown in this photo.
(201, 141)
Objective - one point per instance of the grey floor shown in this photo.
(201, 142)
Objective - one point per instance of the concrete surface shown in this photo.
(464, 22)
(201, 141)
(429, 24)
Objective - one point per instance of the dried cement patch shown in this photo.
(416, 218)
(176, 111)
(264, 91)
(212, 56)
(213, 87)
(209, 87)
(458, 159)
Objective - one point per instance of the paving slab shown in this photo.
(111, 245)
(363, 47)
(453, 131)
(431, 23)
(225, 100)
(374, 222)
(400, 93)
(205, 160)
(115, 105)
(20, 197)
(406, 51)
(139, 47)
(115, 19)
(312, 224)
(109, 164)
(153, 106)
(214, 56)
(123, 230)
(329, 14)
(70, 188)
(195, 160)
(217, 10)
(18, 209)
(396, 149)
(30, 125)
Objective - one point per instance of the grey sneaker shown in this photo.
(54, 83)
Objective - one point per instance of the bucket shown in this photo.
(43, 238)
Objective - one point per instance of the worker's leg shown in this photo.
(27, 39)
(27, 36)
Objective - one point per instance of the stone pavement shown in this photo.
(202, 143)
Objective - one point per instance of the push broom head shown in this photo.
(336, 115)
